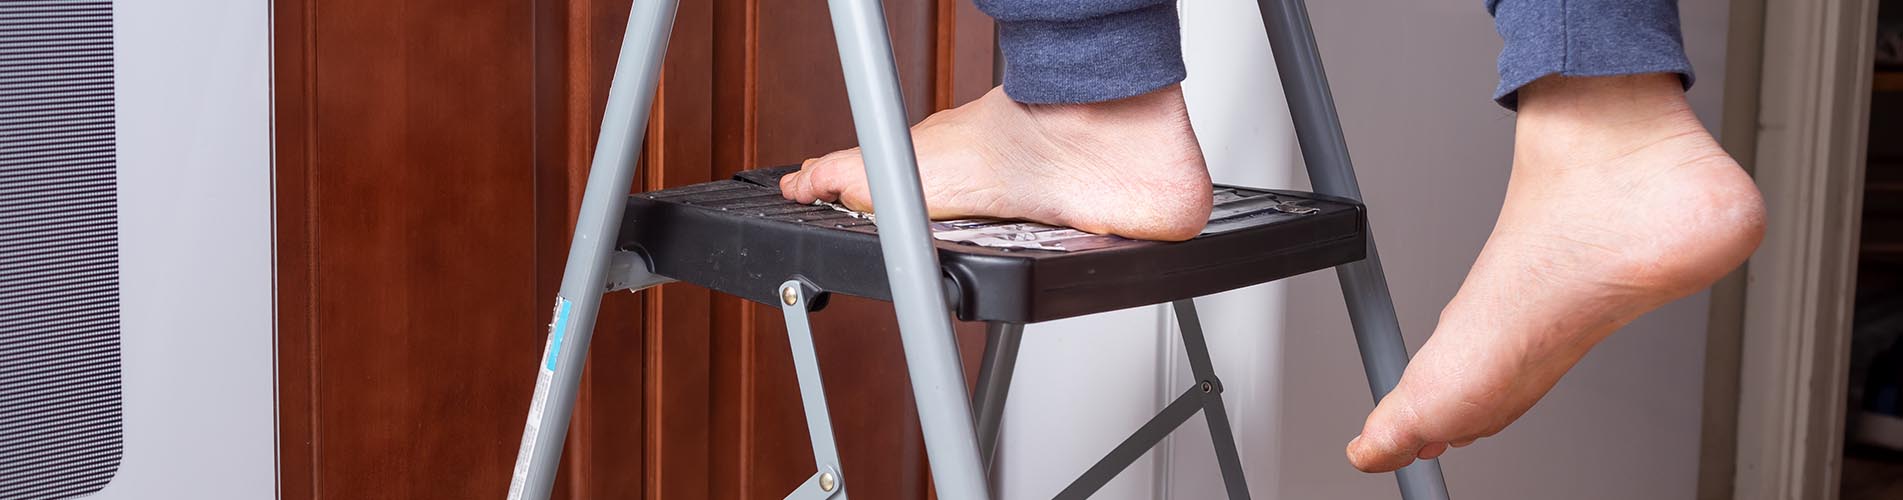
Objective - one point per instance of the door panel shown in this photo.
(430, 156)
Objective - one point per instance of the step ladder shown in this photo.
(738, 236)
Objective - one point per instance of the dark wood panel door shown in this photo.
(430, 157)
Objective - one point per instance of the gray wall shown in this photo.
(1412, 81)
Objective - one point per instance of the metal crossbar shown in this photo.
(1136, 445)
(1205, 395)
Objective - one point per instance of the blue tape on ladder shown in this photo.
(556, 331)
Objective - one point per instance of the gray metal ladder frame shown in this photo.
(952, 442)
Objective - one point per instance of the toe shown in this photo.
(841, 177)
(817, 179)
(794, 186)
(1387, 442)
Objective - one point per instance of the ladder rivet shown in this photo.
(789, 295)
(1208, 387)
(827, 482)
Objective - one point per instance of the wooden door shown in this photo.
(430, 156)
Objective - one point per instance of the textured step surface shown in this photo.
(740, 237)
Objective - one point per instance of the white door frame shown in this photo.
(1812, 127)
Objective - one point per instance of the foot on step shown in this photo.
(1129, 167)
(1619, 202)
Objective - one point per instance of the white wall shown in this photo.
(1412, 81)
(195, 224)
(1085, 383)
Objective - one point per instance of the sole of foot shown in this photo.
(1129, 167)
(1620, 202)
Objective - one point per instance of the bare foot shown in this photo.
(1129, 167)
(1619, 202)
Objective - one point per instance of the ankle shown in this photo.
(1623, 98)
(1166, 102)
(1634, 104)
(1587, 121)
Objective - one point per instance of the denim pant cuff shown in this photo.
(1095, 59)
(1585, 38)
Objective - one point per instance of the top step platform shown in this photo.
(740, 237)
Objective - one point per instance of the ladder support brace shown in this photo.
(826, 482)
(1206, 395)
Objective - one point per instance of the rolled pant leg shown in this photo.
(1079, 51)
(1585, 38)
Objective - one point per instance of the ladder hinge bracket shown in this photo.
(629, 271)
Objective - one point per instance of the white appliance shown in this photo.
(136, 333)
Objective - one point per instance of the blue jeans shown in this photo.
(1077, 51)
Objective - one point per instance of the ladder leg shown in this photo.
(1318, 130)
(1214, 412)
(931, 351)
(623, 124)
(994, 384)
(826, 482)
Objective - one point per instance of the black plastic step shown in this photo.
(739, 237)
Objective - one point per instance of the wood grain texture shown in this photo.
(731, 443)
(430, 156)
(969, 61)
(423, 256)
(290, 183)
(679, 317)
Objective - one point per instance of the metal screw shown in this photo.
(1207, 387)
(789, 295)
(827, 482)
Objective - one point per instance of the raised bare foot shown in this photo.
(1129, 167)
(1619, 202)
